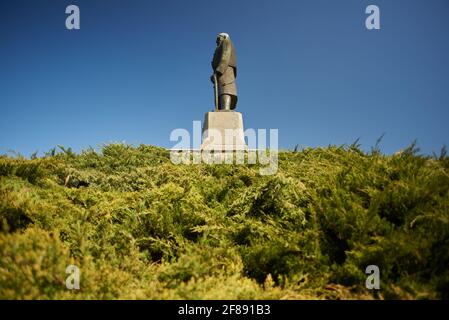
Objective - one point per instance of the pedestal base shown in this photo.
(223, 131)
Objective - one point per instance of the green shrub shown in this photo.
(140, 227)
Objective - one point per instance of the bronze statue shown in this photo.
(224, 65)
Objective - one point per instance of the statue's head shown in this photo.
(221, 36)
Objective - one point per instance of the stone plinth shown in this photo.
(223, 131)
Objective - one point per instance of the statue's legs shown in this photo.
(225, 102)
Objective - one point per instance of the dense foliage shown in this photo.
(140, 227)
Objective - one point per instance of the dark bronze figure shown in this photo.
(224, 64)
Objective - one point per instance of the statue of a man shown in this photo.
(224, 65)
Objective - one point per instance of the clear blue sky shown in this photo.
(139, 69)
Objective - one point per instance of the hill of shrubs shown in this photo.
(140, 227)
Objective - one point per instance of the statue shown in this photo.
(223, 127)
(224, 64)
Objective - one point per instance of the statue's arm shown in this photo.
(224, 61)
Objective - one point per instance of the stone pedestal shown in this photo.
(223, 131)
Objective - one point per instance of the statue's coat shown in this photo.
(224, 64)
